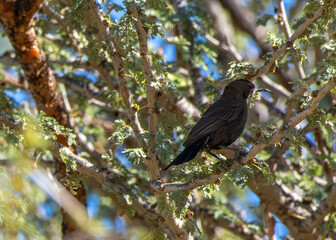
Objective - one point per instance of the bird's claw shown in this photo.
(214, 155)
(242, 153)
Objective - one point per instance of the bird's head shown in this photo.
(241, 86)
(244, 88)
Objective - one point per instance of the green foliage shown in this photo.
(164, 207)
(297, 141)
(209, 190)
(264, 19)
(134, 155)
(18, 200)
(10, 140)
(73, 182)
(310, 190)
(115, 163)
(318, 118)
(275, 41)
(155, 234)
(165, 136)
(129, 211)
(299, 55)
(96, 52)
(191, 226)
(262, 132)
(240, 175)
(115, 99)
(268, 175)
(180, 201)
(70, 163)
(239, 70)
(78, 10)
(122, 131)
(299, 84)
(312, 6)
(6, 103)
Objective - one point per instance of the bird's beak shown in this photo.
(262, 90)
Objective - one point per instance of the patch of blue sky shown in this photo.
(212, 70)
(118, 224)
(20, 236)
(122, 157)
(280, 229)
(91, 76)
(115, 15)
(108, 223)
(252, 198)
(93, 202)
(246, 209)
(253, 49)
(253, 201)
(47, 209)
(169, 50)
(19, 96)
(310, 136)
(267, 95)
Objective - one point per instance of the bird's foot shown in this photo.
(242, 154)
(214, 155)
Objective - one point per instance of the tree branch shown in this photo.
(326, 207)
(238, 228)
(151, 160)
(9, 121)
(99, 27)
(284, 22)
(245, 20)
(264, 69)
(21, 33)
(291, 123)
(230, 163)
(270, 223)
(17, 19)
(107, 176)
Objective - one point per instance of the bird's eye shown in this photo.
(251, 86)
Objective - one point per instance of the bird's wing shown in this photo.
(214, 118)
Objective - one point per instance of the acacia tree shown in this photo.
(109, 112)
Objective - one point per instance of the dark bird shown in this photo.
(221, 124)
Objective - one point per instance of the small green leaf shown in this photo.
(122, 131)
(134, 155)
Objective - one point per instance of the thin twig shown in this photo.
(101, 30)
(291, 123)
(284, 22)
(266, 67)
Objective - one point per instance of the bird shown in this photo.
(221, 124)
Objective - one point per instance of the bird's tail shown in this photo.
(188, 154)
